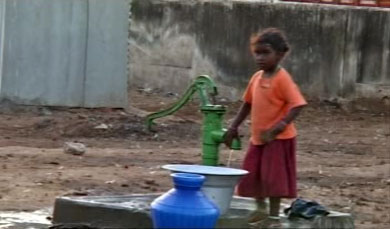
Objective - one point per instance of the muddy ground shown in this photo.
(343, 157)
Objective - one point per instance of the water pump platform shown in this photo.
(133, 211)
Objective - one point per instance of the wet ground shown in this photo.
(27, 220)
(343, 157)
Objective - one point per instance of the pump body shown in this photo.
(213, 133)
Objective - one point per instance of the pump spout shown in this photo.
(219, 137)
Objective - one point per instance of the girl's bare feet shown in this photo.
(257, 216)
(260, 213)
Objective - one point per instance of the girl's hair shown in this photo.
(271, 36)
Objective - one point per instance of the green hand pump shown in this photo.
(213, 132)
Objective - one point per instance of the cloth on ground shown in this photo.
(305, 209)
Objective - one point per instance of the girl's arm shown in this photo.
(240, 117)
(271, 134)
(293, 114)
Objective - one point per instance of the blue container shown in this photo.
(184, 206)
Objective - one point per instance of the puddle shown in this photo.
(25, 220)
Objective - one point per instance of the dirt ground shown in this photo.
(343, 157)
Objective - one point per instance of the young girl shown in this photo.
(274, 101)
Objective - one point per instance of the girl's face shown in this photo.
(266, 57)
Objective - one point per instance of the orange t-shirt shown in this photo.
(271, 99)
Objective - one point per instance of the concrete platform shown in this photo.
(133, 211)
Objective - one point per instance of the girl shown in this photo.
(274, 101)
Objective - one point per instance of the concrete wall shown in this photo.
(67, 53)
(334, 48)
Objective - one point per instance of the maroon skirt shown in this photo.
(272, 170)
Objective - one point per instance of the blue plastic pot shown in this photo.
(184, 206)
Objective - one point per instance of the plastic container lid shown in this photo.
(188, 179)
(205, 169)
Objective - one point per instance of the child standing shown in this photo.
(274, 101)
